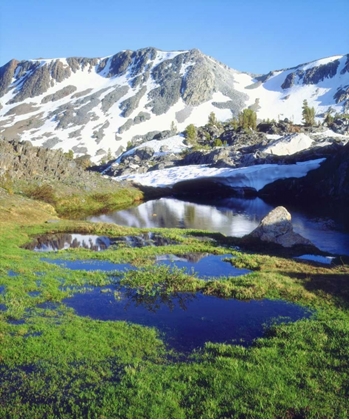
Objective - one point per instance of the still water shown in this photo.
(204, 266)
(328, 229)
(57, 241)
(187, 320)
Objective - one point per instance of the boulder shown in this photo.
(276, 227)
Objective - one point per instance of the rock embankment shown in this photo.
(329, 182)
(21, 162)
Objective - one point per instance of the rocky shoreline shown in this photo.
(243, 150)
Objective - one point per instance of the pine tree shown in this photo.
(308, 114)
(212, 119)
(191, 133)
(248, 119)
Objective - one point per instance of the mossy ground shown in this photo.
(55, 364)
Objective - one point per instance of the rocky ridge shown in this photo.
(24, 164)
(243, 150)
(240, 149)
(98, 106)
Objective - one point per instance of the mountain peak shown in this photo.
(96, 105)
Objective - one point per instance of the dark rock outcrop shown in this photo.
(280, 127)
(6, 74)
(313, 75)
(36, 82)
(130, 104)
(59, 94)
(329, 182)
(22, 109)
(110, 98)
(341, 125)
(77, 63)
(59, 72)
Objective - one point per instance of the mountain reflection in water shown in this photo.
(233, 217)
(328, 230)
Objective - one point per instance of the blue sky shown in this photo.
(249, 35)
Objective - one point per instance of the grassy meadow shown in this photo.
(56, 364)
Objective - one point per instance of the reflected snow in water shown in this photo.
(59, 241)
(235, 217)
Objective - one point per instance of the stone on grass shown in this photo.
(276, 227)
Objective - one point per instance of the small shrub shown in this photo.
(69, 155)
(43, 192)
(217, 143)
(129, 145)
(6, 182)
(84, 161)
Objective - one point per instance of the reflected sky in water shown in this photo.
(188, 320)
(206, 267)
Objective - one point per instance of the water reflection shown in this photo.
(55, 242)
(58, 241)
(154, 303)
(187, 320)
(231, 216)
(326, 228)
(205, 266)
(234, 217)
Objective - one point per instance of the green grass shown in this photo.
(55, 364)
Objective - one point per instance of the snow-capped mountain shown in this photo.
(96, 106)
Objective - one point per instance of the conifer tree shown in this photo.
(308, 114)
(248, 119)
(191, 133)
(212, 119)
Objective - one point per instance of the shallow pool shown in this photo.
(187, 320)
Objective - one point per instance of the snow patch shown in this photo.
(256, 176)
